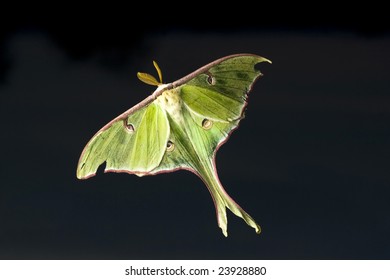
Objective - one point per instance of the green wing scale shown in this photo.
(180, 126)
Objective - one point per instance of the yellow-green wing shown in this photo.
(132, 143)
(220, 92)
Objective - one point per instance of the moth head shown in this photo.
(149, 79)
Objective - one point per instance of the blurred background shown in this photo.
(310, 162)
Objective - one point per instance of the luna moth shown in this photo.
(181, 125)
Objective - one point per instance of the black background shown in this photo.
(310, 162)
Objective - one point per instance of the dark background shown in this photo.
(310, 162)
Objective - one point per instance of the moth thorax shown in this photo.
(170, 101)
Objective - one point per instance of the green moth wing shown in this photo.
(220, 93)
(180, 126)
(135, 144)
